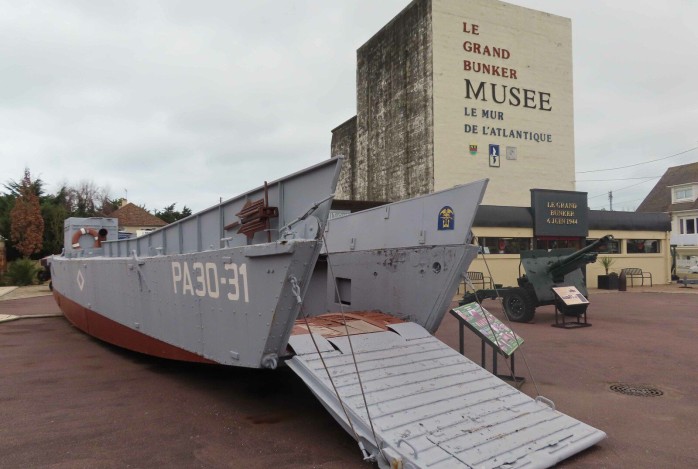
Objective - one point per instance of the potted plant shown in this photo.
(610, 280)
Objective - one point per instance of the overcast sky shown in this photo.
(190, 101)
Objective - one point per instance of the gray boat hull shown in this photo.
(207, 288)
(231, 306)
(199, 290)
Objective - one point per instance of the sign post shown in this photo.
(570, 302)
(492, 332)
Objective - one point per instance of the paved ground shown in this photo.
(31, 291)
(69, 401)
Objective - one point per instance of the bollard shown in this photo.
(622, 281)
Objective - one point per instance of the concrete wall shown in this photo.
(529, 54)
(394, 146)
(447, 74)
(344, 144)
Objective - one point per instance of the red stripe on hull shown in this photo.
(112, 332)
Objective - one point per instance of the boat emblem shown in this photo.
(81, 280)
(447, 219)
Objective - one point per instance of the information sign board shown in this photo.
(570, 296)
(488, 327)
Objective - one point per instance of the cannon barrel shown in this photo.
(569, 263)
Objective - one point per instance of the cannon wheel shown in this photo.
(518, 305)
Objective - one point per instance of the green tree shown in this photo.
(26, 223)
(169, 214)
(110, 206)
(7, 201)
(54, 210)
(6, 204)
(17, 188)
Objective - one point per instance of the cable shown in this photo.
(351, 348)
(618, 190)
(520, 347)
(619, 179)
(622, 202)
(637, 164)
(295, 288)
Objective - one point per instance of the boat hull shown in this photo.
(222, 285)
(415, 284)
(233, 306)
(110, 331)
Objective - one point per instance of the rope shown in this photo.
(351, 348)
(296, 292)
(518, 343)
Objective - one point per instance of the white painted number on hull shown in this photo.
(202, 280)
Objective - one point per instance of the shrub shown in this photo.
(607, 262)
(21, 272)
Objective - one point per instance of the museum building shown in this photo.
(451, 91)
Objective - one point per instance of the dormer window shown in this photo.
(683, 194)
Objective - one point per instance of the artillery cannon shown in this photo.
(543, 270)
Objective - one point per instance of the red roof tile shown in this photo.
(659, 198)
(133, 215)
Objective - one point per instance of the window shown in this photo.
(611, 247)
(683, 193)
(687, 226)
(492, 245)
(559, 243)
(643, 246)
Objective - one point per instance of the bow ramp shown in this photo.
(429, 406)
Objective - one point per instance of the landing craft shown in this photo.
(350, 305)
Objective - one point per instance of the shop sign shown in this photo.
(559, 213)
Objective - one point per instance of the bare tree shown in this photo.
(87, 199)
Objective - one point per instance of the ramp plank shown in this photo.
(435, 408)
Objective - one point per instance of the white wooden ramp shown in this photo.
(430, 407)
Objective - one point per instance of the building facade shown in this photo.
(676, 193)
(639, 240)
(459, 90)
(451, 91)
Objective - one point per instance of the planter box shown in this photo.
(608, 282)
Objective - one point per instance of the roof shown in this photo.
(522, 217)
(133, 215)
(503, 216)
(659, 198)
